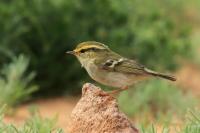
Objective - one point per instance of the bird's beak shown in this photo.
(70, 52)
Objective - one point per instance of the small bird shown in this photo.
(111, 69)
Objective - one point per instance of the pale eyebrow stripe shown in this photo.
(89, 47)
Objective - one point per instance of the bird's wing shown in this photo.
(120, 64)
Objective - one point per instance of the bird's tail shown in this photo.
(165, 76)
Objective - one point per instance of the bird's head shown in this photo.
(89, 50)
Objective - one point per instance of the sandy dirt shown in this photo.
(48, 109)
(189, 78)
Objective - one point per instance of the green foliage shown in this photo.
(157, 39)
(35, 124)
(156, 97)
(44, 30)
(191, 125)
(152, 129)
(15, 84)
(196, 49)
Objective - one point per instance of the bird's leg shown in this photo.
(119, 90)
(103, 94)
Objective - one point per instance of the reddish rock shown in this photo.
(98, 112)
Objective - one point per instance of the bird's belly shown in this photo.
(113, 79)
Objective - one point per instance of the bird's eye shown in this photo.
(82, 51)
(94, 49)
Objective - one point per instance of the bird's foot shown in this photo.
(103, 94)
(118, 90)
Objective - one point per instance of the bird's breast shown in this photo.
(114, 79)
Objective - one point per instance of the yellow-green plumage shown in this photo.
(110, 68)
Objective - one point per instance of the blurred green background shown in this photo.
(164, 35)
(161, 34)
(155, 33)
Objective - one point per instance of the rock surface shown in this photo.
(98, 112)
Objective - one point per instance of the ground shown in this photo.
(64, 105)
(48, 109)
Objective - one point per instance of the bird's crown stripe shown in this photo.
(88, 47)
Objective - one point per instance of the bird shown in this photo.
(110, 68)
